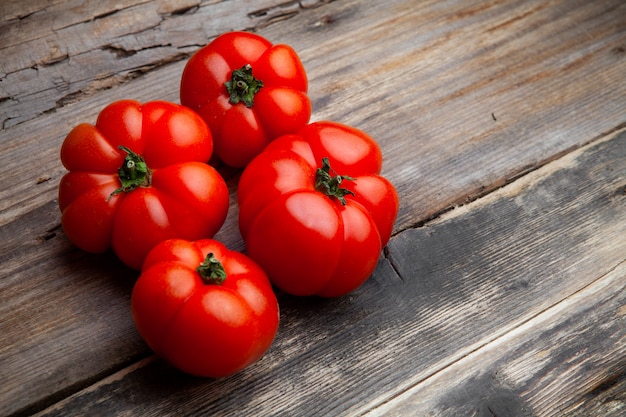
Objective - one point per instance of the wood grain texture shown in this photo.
(78, 48)
(455, 296)
(427, 79)
(545, 367)
(427, 82)
(464, 98)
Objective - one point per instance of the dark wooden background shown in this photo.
(503, 289)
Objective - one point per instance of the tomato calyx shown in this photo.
(133, 173)
(243, 86)
(329, 184)
(211, 270)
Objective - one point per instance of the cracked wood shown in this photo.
(470, 101)
(125, 40)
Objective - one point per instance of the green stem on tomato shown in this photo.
(133, 173)
(211, 270)
(329, 184)
(243, 86)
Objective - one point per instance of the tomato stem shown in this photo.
(133, 173)
(330, 185)
(243, 86)
(211, 270)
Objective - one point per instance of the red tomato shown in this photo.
(205, 309)
(314, 211)
(248, 91)
(139, 176)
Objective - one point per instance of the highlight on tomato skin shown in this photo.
(314, 210)
(206, 310)
(248, 91)
(140, 176)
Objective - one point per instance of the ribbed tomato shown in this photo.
(207, 310)
(314, 211)
(140, 176)
(248, 91)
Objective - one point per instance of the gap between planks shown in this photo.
(510, 189)
(542, 168)
(466, 355)
(116, 376)
(612, 276)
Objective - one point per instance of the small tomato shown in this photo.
(139, 176)
(314, 211)
(248, 91)
(205, 309)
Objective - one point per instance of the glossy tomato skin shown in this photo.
(280, 107)
(308, 242)
(184, 198)
(204, 329)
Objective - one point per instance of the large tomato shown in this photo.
(248, 91)
(139, 176)
(314, 211)
(205, 309)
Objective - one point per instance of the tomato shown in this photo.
(139, 176)
(314, 211)
(248, 91)
(205, 309)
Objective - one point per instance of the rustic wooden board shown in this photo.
(77, 48)
(463, 96)
(484, 281)
(426, 81)
(431, 80)
(545, 367)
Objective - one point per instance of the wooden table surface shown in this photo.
(503, 289)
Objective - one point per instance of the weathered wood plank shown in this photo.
(470, 282)
(559, 363)
(65, 305)
(77, 48)
(64, 313)
(464, 62)
(429, 82)
(484, 105)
